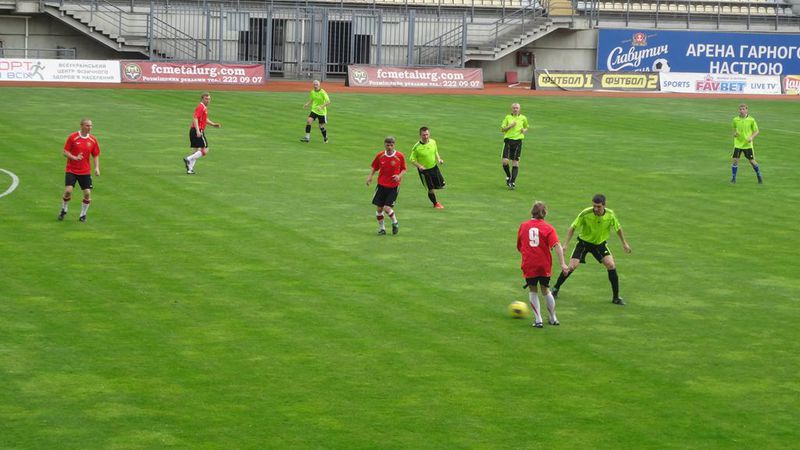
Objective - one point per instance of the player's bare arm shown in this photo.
(97, 165)
(625, 245)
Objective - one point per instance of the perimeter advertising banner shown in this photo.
(791, 85)
(212, 73)
(59, 70)
(414, 77)
(577, 80)
(698, 52)
(716, 83)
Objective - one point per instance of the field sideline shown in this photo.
(253, 306)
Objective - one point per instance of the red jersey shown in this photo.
(534, 241)
(201, 114)
(77, 145)
(389, 166)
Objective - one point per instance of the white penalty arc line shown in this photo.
(14, 182)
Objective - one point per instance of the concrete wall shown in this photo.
(45, 32)
(561, 49)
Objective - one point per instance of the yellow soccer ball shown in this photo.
(519, 310)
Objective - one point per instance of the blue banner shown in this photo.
(698, 52)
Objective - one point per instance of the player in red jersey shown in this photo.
(197, 133)
(79, 147)
(391, 166)
(535, 239)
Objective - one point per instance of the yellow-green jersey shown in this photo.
(745, 126)
(514, 132)
(595, 229)
(318, 99)
(424, 154)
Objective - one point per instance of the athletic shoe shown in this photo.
(512, 185)
(555, 322)
(508, 182)
(381, 232)
(760, 180)
(618, 301)
(395, 228)
(554, 292)
(733, 180)
(62, 214)
(325, 140)
(186, 163)
(82, 218)
(305, 140)
(438, 205)
(538, 325)
(190, 172)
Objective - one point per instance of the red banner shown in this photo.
(211, 73)
(414, 77)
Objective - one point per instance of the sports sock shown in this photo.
(391, 216)
(65, 203)
(514, 171)
(432, 197)
(324, 133)
(614, 279)
(534, 300)
(308, 130)
(379, 217)
(551, 306)
(85, 206)
(507, 171)
(758, 170)
(734, 169)
(561, 279)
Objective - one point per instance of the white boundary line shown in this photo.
(14, 182)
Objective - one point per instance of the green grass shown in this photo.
(253, 306)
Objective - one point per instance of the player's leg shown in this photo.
(735, 164)
(309, 121)
(69, 185)
(85, 182)
(199, 146)
(533, 298)
(754, 165)
(505, 162)
(613, 278)
(379, 200)
(380, 218)
(199, 153)
(322, 122)
(516, 152)
(551, 301)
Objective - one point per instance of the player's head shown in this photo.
(86, 125)
(205, 97)
(316, 85)
(599, 204)
(424, 134)
(539, 210)
(515, 108)
(743, 110)
(388, 143)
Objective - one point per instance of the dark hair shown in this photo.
(389, 140)
(539, 210)
(421, 129)
(599, 198)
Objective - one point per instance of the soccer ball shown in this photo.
(518, 310)
(661, 65)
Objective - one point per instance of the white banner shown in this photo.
(720, 83)
(69, 70)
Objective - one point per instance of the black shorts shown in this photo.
(85, 181)
(322, 120)
(512, 149)
(385, 196)
(197, 142)
(599, 251)
(544, 281)
(748, 152)
(432, 178)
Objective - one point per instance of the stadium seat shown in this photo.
(725, 9)
(681, 7)
(636, 6)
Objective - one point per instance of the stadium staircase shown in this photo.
(492, 41)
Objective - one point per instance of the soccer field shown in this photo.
(253, 305)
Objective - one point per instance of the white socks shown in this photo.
(551, 307)
(534, 300)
